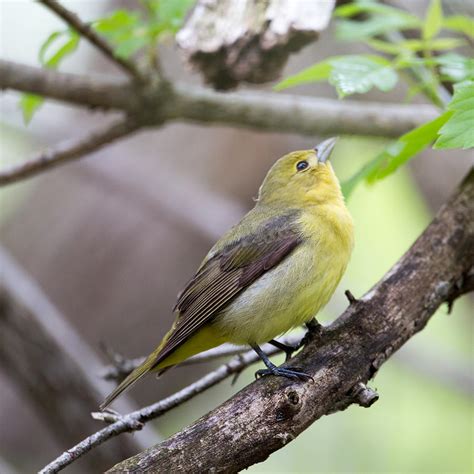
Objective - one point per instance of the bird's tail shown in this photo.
(130, 380)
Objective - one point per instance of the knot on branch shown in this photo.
(359, 394)
(289, 406)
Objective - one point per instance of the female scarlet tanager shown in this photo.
(270, 273)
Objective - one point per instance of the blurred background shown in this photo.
(112, 238)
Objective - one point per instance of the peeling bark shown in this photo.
(248, 40)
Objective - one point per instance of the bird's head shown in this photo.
(302, 178)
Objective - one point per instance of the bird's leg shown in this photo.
(288, 350)
(272, 369)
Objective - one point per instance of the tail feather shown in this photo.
(130, 380)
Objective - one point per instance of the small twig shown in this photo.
(121, 366)
(87, 32)
(134, 421)
(352, 299)
(67, 151)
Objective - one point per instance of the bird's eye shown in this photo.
(302, 165)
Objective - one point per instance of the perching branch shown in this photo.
(135, 420)
(87, 32)
(269, 413)
(67, 151)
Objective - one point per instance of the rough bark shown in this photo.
(249, 41)
(271, 412)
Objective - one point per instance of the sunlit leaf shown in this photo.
(438, 44)
(455, 67)
(458, 132)
(460, 23)
(433, 20)
(29, 104)
(351, 30)
(56, 47)
(66, 42)
(406, 147)
(169, 14)
(359, 74)
(315, 73)
(397, 153)
(125, 30)
(356, 8)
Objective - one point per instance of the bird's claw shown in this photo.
(290, 373)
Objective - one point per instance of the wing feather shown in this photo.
(228, 272)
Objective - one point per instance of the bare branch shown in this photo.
(67, 151)
(269, 413)
(296, 114)
(72, 88)
(87, 32)
(135, 420)
(258, 110)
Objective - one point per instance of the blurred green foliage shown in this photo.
(128, 31)
(361, 73)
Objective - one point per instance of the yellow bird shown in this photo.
(270, 273)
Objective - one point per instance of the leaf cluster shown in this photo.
(429, 59)
(127, 31)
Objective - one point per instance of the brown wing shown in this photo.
(227, 273)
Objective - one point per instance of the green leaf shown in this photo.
(458, 132)
(169, 14)
(65, 42)
(438, 44)
(359, 74)
(356, 8)
(349, 30)
(70, 43)
(315, 73)
(125, 30)
(29, 104)
(396, 154)
(455, 67)
(406, 147)
(348, 74)
(433, 20)
(460, 23)
(385, 46)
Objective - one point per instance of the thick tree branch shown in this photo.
(135, 420)
(67, 151)
(154, 106)
(257, 110)
(296, 114)
(86, 31)
(269, 413)
(72, 88)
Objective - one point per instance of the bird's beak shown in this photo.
(324, 149)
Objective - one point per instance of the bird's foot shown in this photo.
(289, 373)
